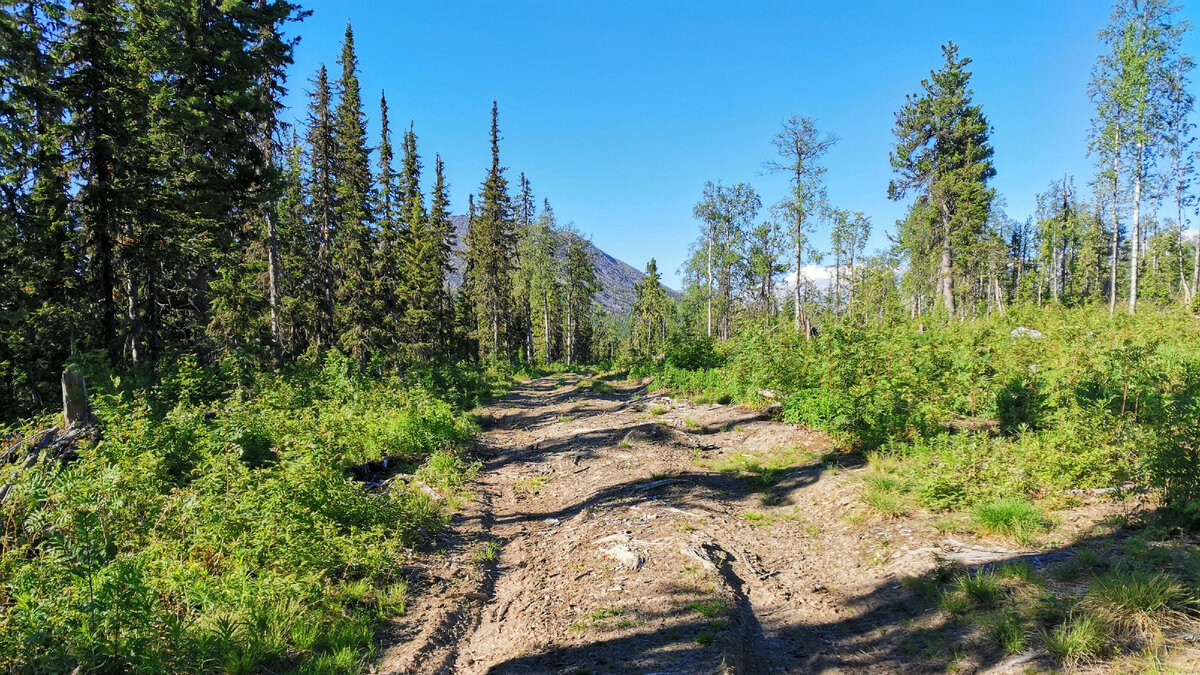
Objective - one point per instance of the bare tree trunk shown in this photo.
(946, 269)
(836, 294)
(1137, 231)
(799, 272)
(1183, 284)
(710, 281)
(1116, 227)
(132, 317)
(546, 321)
(528, 315)
(326, 254)
(1195, 268)
(273, 283)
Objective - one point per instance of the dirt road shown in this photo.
(627, 533)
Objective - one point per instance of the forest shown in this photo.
(294, 398)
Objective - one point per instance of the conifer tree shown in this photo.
(389, 266)
(322, 201)
(354, 247)
(421, 287)
(539, 266)
(522, 329)
(443, 229)
(580, 286)
(490, 253)
(101, 87)
(651, 308)
(942, 151)
(38, 245)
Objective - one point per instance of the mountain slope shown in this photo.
(616, 277)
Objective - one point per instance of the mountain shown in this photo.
(616, 277)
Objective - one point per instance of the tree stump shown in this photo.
(75, 400)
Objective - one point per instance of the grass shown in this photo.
(597, 386)
(886, 495)
(529, 485)
(1137, 603)
(708, 609)
(764, 468)
(1080, 638)
(657, 409)
(756, 518)
(982, 588)
(1013, 517)
(488, 554)
(1007, 631)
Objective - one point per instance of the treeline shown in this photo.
(154, 204)
(957, 253)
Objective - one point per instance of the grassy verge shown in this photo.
(1117, 605)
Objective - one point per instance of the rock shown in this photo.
(625, 556)
(1023, 332)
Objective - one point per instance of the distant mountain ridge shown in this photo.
(617, 277)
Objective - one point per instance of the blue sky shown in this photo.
(618, 111)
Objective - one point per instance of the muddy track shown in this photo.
(625, 544)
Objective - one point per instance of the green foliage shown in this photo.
(691, 351)
(216, 526)
(967, 413)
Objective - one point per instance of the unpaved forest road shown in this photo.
(620, 551)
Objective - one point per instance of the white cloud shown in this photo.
(817, 274)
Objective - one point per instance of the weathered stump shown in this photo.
(75, 400)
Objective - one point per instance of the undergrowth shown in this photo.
(215, 526)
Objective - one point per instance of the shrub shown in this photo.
(692, 351)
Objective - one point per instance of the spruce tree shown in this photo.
(389, 268)
(580, 286)
(322, 201)
(443, 229)
(490, 255)
(354, 248)
(651, 308)
(942, 151)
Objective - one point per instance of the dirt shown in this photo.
(625, 543)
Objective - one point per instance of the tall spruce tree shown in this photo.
(442, 227)
(322, 201)
(389, 267)
(490, 254)
(943, 152)
(651, 309)
(354, 246)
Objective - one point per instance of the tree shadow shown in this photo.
(898, 626)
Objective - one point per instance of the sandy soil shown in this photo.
(623, 543)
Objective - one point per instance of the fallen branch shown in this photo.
(657, 483)
(31, 459)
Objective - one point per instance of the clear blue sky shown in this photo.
(618, 111)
